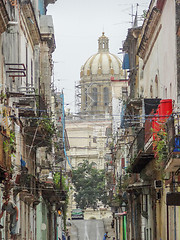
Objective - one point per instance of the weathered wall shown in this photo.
(162, 58)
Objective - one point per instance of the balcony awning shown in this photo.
(141, 161)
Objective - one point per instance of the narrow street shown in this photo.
(90, 120)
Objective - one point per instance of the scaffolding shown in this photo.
(91, 96)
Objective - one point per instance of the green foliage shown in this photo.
(144, 15)
(125, 182)
(129, 168)
(57, 179)
(161, 149)
(9, 145)
(47, 125)
(89, 185)
(2, 96)
(45, 128)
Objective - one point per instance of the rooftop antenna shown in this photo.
(132, 14)
(135, 24)
(134, 21)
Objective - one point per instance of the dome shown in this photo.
(102, 63)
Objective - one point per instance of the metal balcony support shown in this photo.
(16, 70)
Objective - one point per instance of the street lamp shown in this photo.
(123, 207)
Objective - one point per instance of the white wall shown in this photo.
(162, 60)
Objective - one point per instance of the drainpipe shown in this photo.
(167, 223)
(174, 209)
(174, 222)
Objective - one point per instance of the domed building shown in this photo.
(96, 75)
(90, 132)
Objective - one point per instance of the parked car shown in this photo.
(77, 214)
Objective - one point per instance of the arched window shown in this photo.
(80, 164)
(106, 96)
(94, 96)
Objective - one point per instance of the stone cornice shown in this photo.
(148, 31)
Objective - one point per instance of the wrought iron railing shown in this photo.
(137, 144)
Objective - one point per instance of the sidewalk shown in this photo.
(108, 228)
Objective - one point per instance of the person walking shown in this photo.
(11, 209)
(105, 236)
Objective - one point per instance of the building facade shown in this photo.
(147, 186)
(30, 129)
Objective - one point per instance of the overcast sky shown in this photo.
(78, 24)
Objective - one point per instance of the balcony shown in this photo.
(139, 157)
(173, 134)
(27, 186)
(27, 102)
(52, 194)
(39, 131)
(59, 156)
(142, 148)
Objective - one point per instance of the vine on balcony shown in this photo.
(47, 126)
(60, 181)
(160, 148)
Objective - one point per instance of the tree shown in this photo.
(89, 185)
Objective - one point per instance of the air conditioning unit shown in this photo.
(158, 184)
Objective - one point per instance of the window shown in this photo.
(124, 93)
(106, 96)
(94, 96)
(85, 93)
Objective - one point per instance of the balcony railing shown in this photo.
(173, 142)
(138, 144)
(27, 187)
(139, 157)
(27, 103)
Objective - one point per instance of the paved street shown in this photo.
(87, 230)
